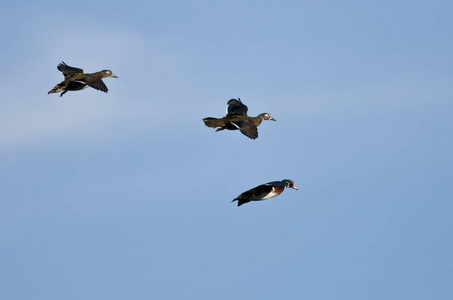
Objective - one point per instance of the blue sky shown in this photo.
(127, 195)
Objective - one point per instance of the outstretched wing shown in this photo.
(67, 70)
(247, 128)
(95, 83)
(236, 107)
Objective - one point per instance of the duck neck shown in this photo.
(257, 120)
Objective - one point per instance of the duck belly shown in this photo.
(275, 192)
(76, 86)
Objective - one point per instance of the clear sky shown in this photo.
(127, 195)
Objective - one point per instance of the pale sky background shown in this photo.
(127, 195)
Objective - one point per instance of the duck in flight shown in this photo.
(265, 191)
(75, 80)
(237, 119)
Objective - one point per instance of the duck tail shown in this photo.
(213, 122)
(240, 202)
(58, 88)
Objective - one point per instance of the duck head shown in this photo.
(266, 116)
(289, 184)
(108, 73)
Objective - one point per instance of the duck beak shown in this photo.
(273, 119)
(295, 188)
(114, 76)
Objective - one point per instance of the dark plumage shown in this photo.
(75, 80)
(237, 118)
(265, 191)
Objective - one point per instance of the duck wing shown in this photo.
(95, 83)
(236, 107)
(261, 191)
(67, 70)
(247, 128)
(256, 193)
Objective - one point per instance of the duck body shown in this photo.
(75, 80)
(237, 119)
(265, 191)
